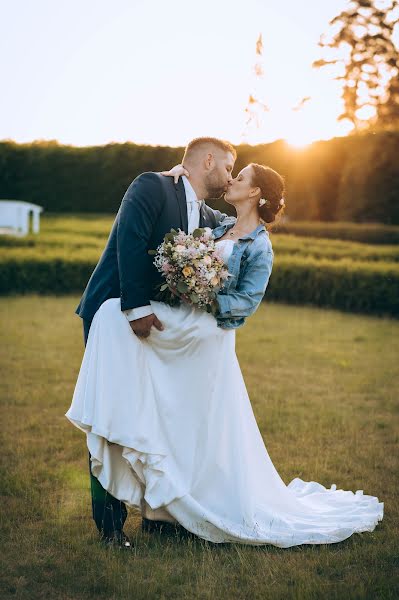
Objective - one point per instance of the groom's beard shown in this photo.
(214, 188)
(217, 194)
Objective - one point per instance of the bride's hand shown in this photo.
(176, 172)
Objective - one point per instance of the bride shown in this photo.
(168, 420)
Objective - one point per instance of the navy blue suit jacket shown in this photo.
(152, 206)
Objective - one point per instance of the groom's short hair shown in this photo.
(201, 142)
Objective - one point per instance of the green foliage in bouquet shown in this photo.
(193, 270)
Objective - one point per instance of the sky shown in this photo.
(88, 72)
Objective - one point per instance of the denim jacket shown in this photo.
(250, 265)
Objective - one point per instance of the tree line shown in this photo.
(355, 178)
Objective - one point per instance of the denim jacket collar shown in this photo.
(223, 227)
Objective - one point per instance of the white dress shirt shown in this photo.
(193, 217)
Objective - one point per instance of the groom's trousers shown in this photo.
(109, 513)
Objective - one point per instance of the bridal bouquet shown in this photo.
(192, 267)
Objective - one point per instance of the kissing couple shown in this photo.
(160, 394)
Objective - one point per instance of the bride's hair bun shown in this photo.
(272, 189)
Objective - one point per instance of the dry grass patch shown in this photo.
(324, 390)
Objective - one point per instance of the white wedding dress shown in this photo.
(169, 422)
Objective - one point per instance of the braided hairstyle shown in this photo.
(272, 188)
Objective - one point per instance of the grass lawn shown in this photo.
(324, 387)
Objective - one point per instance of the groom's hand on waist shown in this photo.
(142, 327)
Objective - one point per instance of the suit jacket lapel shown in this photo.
(181, 199)
(202, 216)
(207, 218)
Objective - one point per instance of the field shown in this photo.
(323, 385)
(309, 270)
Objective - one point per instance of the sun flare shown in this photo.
(298, 141)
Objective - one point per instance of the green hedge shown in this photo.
(354, 178)
(346, 285)
(317, 248)
(44, 276)
(368, 233)
(325, 272)
(352, 286)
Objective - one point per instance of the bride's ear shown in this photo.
(255, 191)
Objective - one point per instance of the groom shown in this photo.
(152, 206)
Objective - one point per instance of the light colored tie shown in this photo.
(194, 215)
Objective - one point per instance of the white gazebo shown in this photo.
(16, 217)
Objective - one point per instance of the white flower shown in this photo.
(198, 258)
(262, 201)
(210, 274)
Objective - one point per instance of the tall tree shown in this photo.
(387, 116)
(361, 43)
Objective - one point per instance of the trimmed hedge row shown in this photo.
(369, 233)
(357, 287)
(318, 248)
(351, 286)
(60, 244)
(44, 275)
